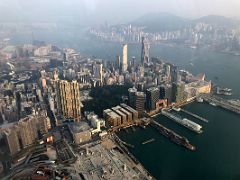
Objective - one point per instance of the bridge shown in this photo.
(223, 103)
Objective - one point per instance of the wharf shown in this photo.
(194, 115)
(181, 121)
(221, 103)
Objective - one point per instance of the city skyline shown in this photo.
(89, 12)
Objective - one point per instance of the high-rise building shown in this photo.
(175, 76)
(145, 51)
(97, 71)
(131, 96)
(136, 100)
(27, 131)
(152, 96)
(125, 58)
(133, 64)
(55, 75)
(11, 139)
(139, 103)
(166, 93)
(68, 99)
(179, 94)
(118, 62)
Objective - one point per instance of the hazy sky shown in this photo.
(97, 11)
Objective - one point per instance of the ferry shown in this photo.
(224, 91)
(227, 89)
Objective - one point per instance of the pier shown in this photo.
(221, 103)
(126, 144)
(184, 122)
(194, 115)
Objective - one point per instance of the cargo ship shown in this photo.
(174, 137)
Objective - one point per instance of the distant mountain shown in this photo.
(156, 22)
(218, 20)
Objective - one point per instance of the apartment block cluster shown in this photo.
(18, 100)
(122, 115)
(195, 35)
(24, 133)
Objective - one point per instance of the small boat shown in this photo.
(148, 141)
(200, 100)
(213, 104)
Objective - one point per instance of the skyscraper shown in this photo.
(97, 71)
(68, 99)
(166, 92)
(131, 97)
(175, 76)
(132, 65)
(139, 103)
(178, 92)
(136, 100)
(118, 62)
(145, 51)
(152, 96)
(125, 58)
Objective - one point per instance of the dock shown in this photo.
(184, 122)
(194, 115)
(126, 144)
(221, 103)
